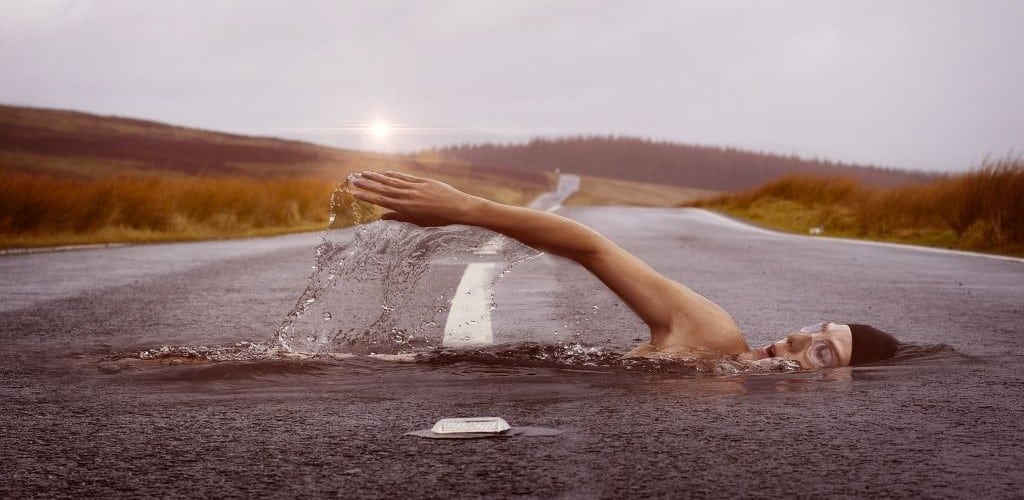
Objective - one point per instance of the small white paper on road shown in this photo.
(487, 425)
(480, 427)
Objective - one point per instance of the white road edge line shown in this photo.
(62, 248)
(726, 221)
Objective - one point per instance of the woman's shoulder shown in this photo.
(716, 334)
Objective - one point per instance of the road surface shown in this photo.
(946, 425)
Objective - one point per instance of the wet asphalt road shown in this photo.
(948, 425)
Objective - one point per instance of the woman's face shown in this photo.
(824, 345)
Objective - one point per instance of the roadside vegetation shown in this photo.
(44, 210)
(39, 210)
(980, 210)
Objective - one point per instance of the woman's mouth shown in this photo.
(765, 352)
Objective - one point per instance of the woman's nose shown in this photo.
(799, 341)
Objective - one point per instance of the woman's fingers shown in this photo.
(384, 179)
(376, 199)
(370, 184)
(403, 176)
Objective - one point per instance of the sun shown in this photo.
(380, 130)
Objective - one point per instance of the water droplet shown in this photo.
(327, 316)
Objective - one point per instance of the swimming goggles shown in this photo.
(816, 328)
(820, 352)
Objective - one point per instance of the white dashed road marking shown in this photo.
(469, 318)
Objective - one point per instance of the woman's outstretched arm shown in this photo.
(679, 318)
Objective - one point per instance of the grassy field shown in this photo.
(47, 210)
(39, 210)
(44, 210)
(981, 210)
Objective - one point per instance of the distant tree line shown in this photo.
(637, 159)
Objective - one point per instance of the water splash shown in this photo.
(372, 289)
(241, 351)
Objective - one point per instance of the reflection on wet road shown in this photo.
(34, 278)
(948, 425)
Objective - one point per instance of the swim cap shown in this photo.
(871, 344)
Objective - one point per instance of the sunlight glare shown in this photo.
(380, 130)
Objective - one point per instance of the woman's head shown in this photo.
(871, 344)
(827, 345)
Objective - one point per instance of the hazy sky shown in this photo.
(916, 84)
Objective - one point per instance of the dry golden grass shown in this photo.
(979, 210)
(41, 210)
(46, 210)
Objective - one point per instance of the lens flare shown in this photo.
(380, 130)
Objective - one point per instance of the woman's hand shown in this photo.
(425, 202)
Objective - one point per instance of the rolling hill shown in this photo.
(71, 143)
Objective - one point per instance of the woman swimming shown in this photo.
(682, 322)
